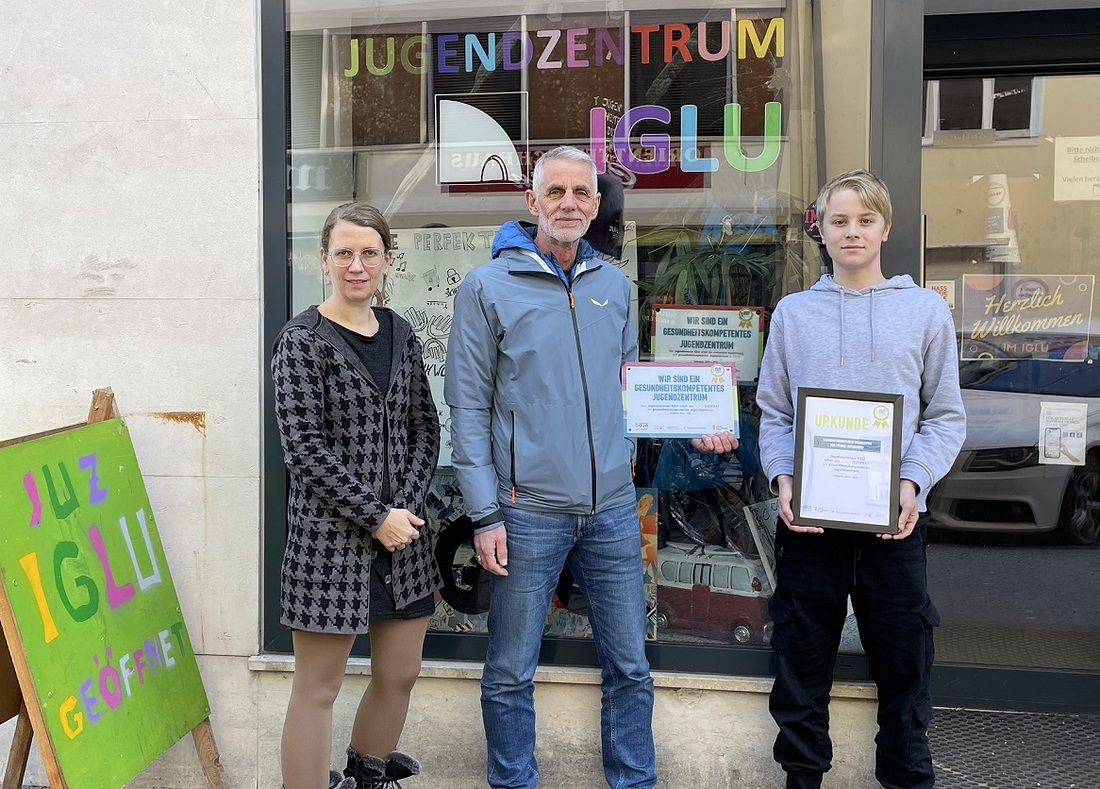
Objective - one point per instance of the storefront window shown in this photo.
(437, 116)
(1012, 244)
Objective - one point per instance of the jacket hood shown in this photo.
(829, 285)
(521, 235)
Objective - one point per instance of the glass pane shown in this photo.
(960, 104)
(1013, 247)
(437, 116)
(1012, 103)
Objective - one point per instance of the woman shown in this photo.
(360, 436)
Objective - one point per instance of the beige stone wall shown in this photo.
(129, 257)
(845, 101)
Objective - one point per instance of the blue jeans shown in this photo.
(604, 554)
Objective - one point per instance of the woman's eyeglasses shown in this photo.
(370, 258)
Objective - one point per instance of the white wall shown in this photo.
(129, 258)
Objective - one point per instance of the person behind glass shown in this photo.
(360, 436)
(857, 330)
(532, 381)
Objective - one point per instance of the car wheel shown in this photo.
(742, 633)
(1079, 523)
(661, 619)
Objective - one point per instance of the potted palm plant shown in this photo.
(747, 260)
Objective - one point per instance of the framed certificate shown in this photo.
(847, 460)
(679, 400)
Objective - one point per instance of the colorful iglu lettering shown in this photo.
(166, 649)
(29, 563)
(116, 595)
(72, 727)
(90, 701)
(61, 509)
(152, 651)
(96, 494)
(126, 670)
(32, 493)
(68, 550)
(144, 581)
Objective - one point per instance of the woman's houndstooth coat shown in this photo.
(340, 434)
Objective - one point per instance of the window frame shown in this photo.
(891, 155)
(932, 112)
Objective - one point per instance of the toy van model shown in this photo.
(710, 590)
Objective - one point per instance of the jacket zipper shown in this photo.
(512, 453)
(584, 386)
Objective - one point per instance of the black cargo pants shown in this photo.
(888, 584)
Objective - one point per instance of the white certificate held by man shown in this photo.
(679, 400)
(847, 459)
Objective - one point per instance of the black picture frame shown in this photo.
(811, 514)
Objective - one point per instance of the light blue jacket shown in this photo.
(894, 338)
(533, 382)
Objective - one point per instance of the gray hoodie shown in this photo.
(894, 338)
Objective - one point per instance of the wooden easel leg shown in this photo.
(20, 750)
(208, 755)
(103, 406)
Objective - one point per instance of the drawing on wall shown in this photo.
(429, 264)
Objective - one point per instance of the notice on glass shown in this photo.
(1063, 428)
(847, 460)
(697, 333)
(679, 400)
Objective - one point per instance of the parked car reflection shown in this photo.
(997, 482)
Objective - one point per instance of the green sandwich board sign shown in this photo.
(90, 614)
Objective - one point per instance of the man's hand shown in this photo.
(786, 493)
(717, 443)
(491, 548)
(907, 520)
(398, 529)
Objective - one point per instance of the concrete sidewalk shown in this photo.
(1015, 750)
(971, 750)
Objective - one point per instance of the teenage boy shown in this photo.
(857, 330)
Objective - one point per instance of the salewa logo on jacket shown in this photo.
(600, 304)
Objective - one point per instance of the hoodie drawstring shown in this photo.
(872, 324)
(842, 327)
(842, 334)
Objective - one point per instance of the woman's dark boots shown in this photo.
(370, 772)
(401, 765)
(337, 781)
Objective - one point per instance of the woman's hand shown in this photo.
(398, 529)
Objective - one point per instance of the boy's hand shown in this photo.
(786, 492)
(907, 520)
(717, 443)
